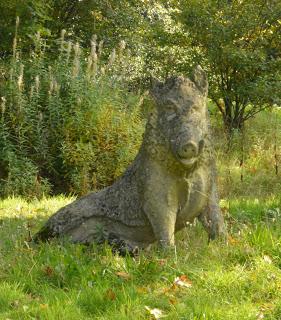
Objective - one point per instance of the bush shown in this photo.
(68, 121)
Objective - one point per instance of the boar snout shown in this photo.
(188, 150)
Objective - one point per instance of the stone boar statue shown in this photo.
(170, 182)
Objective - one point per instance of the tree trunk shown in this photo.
(232, 117)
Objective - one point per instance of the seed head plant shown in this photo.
(68, 122)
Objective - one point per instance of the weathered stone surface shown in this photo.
(170, 182)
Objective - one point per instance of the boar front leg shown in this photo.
(211, 217)
(160, 207)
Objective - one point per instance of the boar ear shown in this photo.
(199, 77)
(155, 85)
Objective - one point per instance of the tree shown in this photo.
(146, 26)
(238, 43)
(33, 16)
(110, 20)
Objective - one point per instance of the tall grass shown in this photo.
(68, 122)
(249, 165)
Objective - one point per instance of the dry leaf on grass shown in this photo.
(143, 290)
(162, 262)
(110, 294)
(48, 271)
(155, 313)
(182, 281)
(267, 259)
(232, 240)
(25, 308)
(166, 290)
(123, 275)
(173, 300)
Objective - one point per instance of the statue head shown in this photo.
(181, 115)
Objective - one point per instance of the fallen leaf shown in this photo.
(123, 275)
(253, 170)
(48, 271)
(162, 262)
(110, 294)
(166, 289)
(25, 308)
(185, 278)
(267, 259)
(260, 316)
(173, 300)
(142, 290)
(15, 304)
(232, 240)
(182, 281)
(155, 313)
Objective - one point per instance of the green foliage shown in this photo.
(153, 36)
(249, 164)
(238, 43)
(111, 20)
(69, 122)
(233, 281)
(22, 178)
(33, 15)
(69, 115)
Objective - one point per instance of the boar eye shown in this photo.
(171, 116)
(171, 106)
(171, 111)
(196, 107)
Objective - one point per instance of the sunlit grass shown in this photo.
(240, 279)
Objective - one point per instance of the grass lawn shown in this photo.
(237, 280)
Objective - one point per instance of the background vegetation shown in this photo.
(74, 75)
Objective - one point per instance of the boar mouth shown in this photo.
(188, 155)
(188, 163)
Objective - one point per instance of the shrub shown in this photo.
(69, 122)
